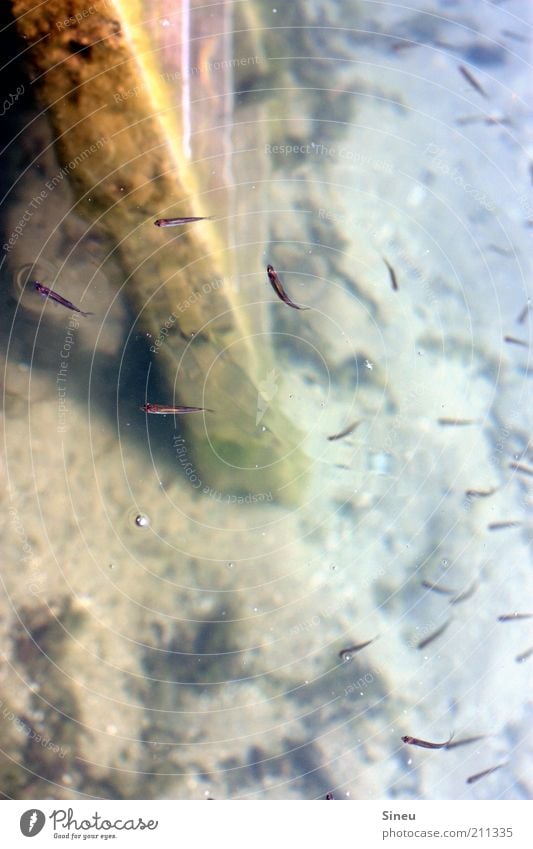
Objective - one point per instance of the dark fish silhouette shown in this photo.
(414, 741)
(59, 299)
(345, 432)
(446, 422)
(523, 315)
(275, 282)
(519, 467)
(427, 640)
(174, 222)
(500, 526)
(478, 775)
(169, 409)
(520, 658)
(512, 340)
(470, 78)
(392, 275)
(513, 617)
(346, 654)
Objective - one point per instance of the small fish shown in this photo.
(346, 654)
(275, 282)
(436, 588)
(330, 797)
(54, 296)
(174, 222)
(169, 409)
(470, 78)
(427, 640)
(403, 45)
(499, 526)
(392, 275)
(346, 432)
(499, 250)
(520, 658)
(445, 422)
(479, 493)
(464, 595)
(489, 120)
(515, 35)
(456, 597)
(523, 315)
(518, 467)
(466, 741)
(414, 741)
(512, 340)
(511, 617)
(473, 778)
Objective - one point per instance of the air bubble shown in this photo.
(142, 521)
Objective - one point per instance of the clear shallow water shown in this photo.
(200, 655)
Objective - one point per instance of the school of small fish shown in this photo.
(454, 596)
